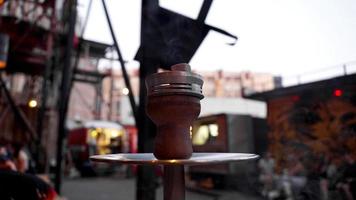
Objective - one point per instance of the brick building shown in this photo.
(114, 102)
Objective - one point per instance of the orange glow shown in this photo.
(2, 63)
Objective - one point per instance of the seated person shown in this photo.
(18, 186)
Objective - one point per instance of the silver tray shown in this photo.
(196, 159)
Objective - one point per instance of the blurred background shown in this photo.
(279, 81)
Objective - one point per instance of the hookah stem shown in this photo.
(174, 183)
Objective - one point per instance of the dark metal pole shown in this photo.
(146, 178)
(40, 154)
(344, 69)
(77, 56)
(122, 63)
(173, 182)
(41, 115)
(98, 100)
(64, 94)
(111, 89)
(3, 113)
(204, 10)
(17, 112)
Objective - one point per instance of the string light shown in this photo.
(32, 103)
(125, 91)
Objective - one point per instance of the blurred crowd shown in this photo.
(17, 178)
(309, 177)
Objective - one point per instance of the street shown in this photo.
(110, 188)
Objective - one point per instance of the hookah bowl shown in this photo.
(173, 104)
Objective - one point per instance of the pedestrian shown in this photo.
(266, 165)
(5, 162)
(348, 181)
(21, 158)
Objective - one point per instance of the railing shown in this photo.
(320, 74)
(39, 12)
(311, 76)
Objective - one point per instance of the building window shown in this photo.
(205, 133)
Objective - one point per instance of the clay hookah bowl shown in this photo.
(173, 104)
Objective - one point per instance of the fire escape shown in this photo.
(39, 54)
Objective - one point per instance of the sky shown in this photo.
(282, 37)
